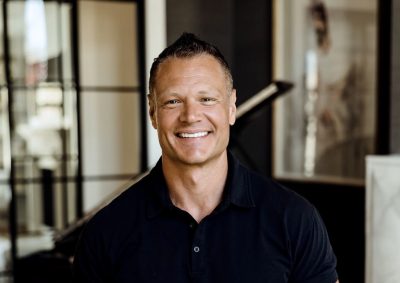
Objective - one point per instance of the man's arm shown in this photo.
(314, 260)
(88, 264)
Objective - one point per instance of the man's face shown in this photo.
(191, 109)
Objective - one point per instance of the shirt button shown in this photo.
(191, 225)
(196, 249)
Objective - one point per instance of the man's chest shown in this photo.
(209, 252)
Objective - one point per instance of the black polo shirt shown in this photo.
(260, 232)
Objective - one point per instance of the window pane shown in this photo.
(39, 36)
(110, 133)
(45, 127)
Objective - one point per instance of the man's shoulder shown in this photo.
(134, 194)
(269, 193)
(282, 206)
(124, 208)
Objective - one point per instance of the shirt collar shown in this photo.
(158, 196)
(237, 189)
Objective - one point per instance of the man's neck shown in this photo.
(196, 189)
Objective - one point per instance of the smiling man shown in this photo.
(192, 106)
(200, 216)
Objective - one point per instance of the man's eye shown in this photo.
(208, 100)
(172, 102)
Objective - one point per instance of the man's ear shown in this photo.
(152, 110)
(232, 107)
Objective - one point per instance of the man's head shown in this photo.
(192, 102)
(187, 46)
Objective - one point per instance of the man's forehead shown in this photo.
(198, 59)
(177, 69)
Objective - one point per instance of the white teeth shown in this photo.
(193, 135)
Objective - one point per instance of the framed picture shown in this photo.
(326, 125)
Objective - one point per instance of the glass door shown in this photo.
(39, 161)
(66, 68)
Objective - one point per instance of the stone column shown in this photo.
(383, 219)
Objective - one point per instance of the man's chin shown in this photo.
(196, 158)
(193, 159)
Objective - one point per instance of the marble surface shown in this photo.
(383, 219)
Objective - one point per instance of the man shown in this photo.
(200, 216)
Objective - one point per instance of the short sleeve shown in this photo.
(313, 258)
(89, 261)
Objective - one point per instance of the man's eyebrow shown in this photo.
(204, 92)
(167, 93)
(209, 91)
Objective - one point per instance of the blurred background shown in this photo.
(74, 130)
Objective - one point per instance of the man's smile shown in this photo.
(192, 135)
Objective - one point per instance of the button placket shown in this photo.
(197, 246)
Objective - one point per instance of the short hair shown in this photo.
(188, 46)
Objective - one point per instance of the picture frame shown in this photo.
(324, 128)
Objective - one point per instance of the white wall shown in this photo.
(110, 118)
(156, 41)
(110, 128)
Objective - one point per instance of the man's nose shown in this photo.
(190, 112)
